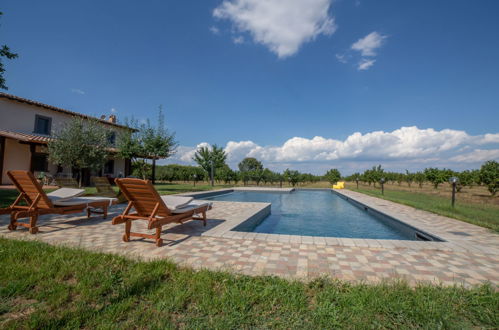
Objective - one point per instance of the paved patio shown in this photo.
(469, 255)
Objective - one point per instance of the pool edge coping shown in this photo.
(226, 231)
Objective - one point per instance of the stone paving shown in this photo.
(469, 255)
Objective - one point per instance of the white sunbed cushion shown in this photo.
(84, 200)
(65, 194)
(176, 202)
(190, 206)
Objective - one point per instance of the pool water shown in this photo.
(315, 213)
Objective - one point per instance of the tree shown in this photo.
(210, 159)
(268, 176)
(280, 178)
(80, 144)
(435, 176)
(146, 142)
(157, 142)
(225, 173)
(420, 178)
(130, 147)
(489, 176)
(399, 177)
(5, 52)
(250, 164)
(409, 177)
(333, 176)
(256, 175)
(465, 179)
(245, 177)
(374, 175)
(293, 177)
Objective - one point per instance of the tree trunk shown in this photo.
(212, 176)
(153, 172)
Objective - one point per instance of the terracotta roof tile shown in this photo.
(43, 139)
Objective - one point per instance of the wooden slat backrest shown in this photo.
(66, 182)
(26, 183)
(143, 196)
(103, 186)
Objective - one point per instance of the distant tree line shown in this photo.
(213, 160)
(487, 175)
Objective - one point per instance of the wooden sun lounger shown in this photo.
(149, 206)
(38, 203)
(104, 188)
(66, 182)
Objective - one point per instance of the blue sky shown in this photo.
(263, 78)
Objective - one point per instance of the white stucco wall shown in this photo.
(20, 117)
(17, 157)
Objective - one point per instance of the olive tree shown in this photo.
(146, 142)
(420, 178)
(489, 176)
(80, 144)
(333, 176)
(293, 177)
(435, 176)
(158, 142)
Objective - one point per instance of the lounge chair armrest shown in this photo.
(119, 219)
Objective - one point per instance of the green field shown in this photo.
(485, 215)
(43, 286)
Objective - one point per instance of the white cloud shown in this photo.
(489, 138)
(478, 155)
(185, 154)
(406, 147)
(214, 30)
(77, 91)
(342, 58)
(367, 46)
(113, 110)
(238, 40)
(281, 25)
(365, 64)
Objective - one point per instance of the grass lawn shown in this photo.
(7, 197)
(485, 215)
(43, 286)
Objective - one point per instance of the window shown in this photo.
(39, 162)
(42, 125)
(109, 167)
(111, 138)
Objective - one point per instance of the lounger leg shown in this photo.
(89, 212)
(204, 218)
(128, 227)
(33, 229)
(104, 212)
(159, 241)
(12, 225)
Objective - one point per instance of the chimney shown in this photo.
(112, 119)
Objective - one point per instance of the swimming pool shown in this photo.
(318, 213)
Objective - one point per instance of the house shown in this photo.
(26, 127)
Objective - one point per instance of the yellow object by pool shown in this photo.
(339, 185)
